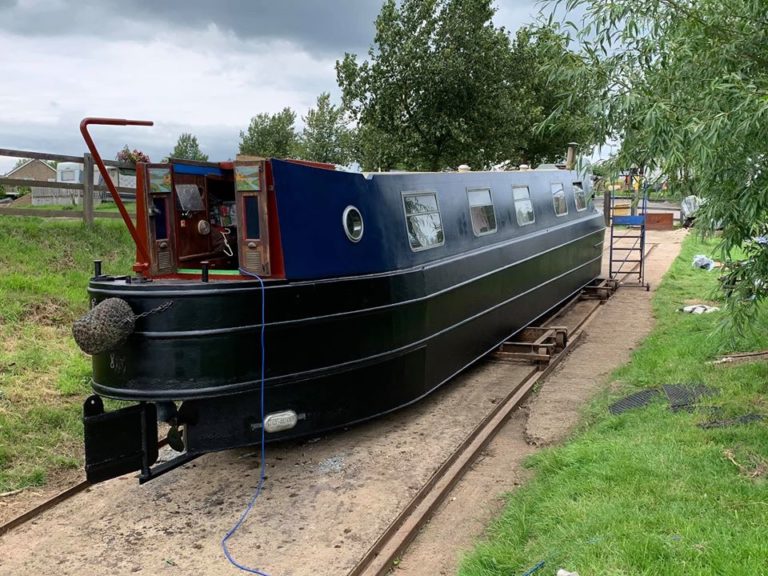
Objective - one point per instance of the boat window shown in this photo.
(353, 223)
(481, 211)
(523, 205)
(580, 196)
(252, 231)
(160, 218)
(190, 198)
(422, 218)
(558, 199)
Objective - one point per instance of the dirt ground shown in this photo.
(546, 418)
(327, 499)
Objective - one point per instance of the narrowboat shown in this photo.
(324, 297)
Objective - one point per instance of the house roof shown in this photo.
(28, 163)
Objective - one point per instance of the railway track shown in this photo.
(33, 513)
(47, 505)
(380, 558)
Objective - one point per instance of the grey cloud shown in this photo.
(327, 27)
(338, 25)
(220, 143)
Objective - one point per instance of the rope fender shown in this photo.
(104, 327)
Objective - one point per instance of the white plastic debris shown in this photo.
(699, 309)
(563, 572)
(689, 206)
(701, 261)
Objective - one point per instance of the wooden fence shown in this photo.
(88, 187)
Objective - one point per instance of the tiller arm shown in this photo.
(141, 245)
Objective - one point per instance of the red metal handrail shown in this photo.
(141, 245)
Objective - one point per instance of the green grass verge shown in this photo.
(44, 377)
(649, 492)
(103, 207)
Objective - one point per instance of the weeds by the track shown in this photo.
(648, 491)
(44, 271)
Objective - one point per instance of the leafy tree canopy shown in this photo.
(270, 135)
(188, 148)
(443, 86)
(684, 85)
(20, 162)
(546, 124)
(435, 88)
(326, 136)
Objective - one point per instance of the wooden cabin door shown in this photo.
(193, 228)
(253, 235)
(158, 190)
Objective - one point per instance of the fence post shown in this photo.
(88, 189)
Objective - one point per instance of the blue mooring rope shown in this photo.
(262, 474)
(536, 568)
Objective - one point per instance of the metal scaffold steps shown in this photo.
(627, 244)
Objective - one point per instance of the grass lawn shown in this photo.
(647, 491)
(103, 207)
(44, 377)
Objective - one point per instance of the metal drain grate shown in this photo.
(636, 400)
(684, 396)
(745, 419)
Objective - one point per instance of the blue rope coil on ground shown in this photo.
(262, 474)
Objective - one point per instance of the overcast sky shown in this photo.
(189, 65)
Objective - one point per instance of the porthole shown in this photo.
(353, 223)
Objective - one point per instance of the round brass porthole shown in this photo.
(353, 223)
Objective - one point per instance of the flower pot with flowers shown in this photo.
(129, 156)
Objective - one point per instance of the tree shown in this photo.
(20, 162)
(20, 190)
(434, 91)
(443, 86)
(188, 148)
(270, 135)
(326, 136)
(684, 85)
(546, 125)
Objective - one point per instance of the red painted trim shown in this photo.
(313, 164)
(211, 274)
(276, 260)
(141, 245)
(141, 213)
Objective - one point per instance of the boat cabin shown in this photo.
(213, 216)
(296, 220)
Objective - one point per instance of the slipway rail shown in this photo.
(47, 505)
(390, 546)
(382, 557)
(52, 502)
